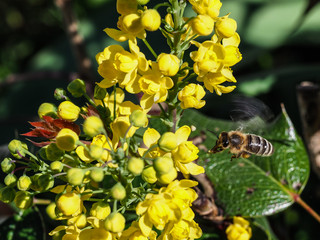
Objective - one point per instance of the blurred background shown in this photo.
(280, 45)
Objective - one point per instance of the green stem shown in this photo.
(150, 48)
(163, 111)
(89, 100)
(161, 5)
(114, 102)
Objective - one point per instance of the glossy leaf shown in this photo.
(257, 186)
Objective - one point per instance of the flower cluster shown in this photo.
(103, 160)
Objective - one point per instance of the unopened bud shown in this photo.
(7, 194)
(151, 20)
(47, 109)
(68, 111)
(60, 94)
(163, 165)
(53, 153)
(166, 178)
(225, 27)
(149, 175)
(168, 141)
(45, 182)
(100, 210)
(118, 191)
(95, 151)
(115, 222)
(75, 176)
(10, 180)
(93, 126)
(24, 183)
(169, 64)
(77, 88)
(202, 25)
(7, 165)
(99, 93)
(97, 174)
(56, 166)
(135, 165)
(132, 23)
(66, 139)
(69, 203)
(23, 200)
(17, 148)
(51, 210)
(139, 118)
(142, 2)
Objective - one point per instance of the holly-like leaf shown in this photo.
(257, 186)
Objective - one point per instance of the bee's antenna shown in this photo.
(215, 133)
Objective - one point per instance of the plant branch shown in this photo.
(303, 204)
(77, 43)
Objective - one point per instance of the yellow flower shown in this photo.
(80, 221)
(119, 66)
(149, 175)
(68, 111)
(109, 100)
(150, 19)
(157, 210)
(181, 230)
(134, 233)
(154, 86)
(169, 64)
(207, 7)
(225, 27)
(191, 95)
(100, 210)
(202, 25)
(72, 232)
(239, 230)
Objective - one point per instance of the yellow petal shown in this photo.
(193, 168)
(57, 229)
(117, 35)
(106, 83)
(145, 225)
(150, 137)
(146, 102)
(183, 133)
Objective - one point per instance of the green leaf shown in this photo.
(257, 186)
(264, 225)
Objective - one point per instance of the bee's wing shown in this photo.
(250, 114)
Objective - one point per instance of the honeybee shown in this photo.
(243, 145)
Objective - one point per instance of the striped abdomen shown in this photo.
(259, 146)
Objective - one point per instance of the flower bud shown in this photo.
(168, 141)
(56, 166)
(135, 166)
(93, 126)
(100, 210)
(115, 222)
(125, 7)
(118, 191)
(77, 88)
(150, 20)
(24, 183)
(225, 27)
(60, 94)
(45, 182)
(34, 179)
(142, 2)
(139, 118)
(69, 203)
(17, 148)
(23, 200)
(66, 139)
(149, 175)
(54, 153)
(68, 111)
(97, 174)
(202, 25)
(7, 165)
(99, 93)
(47, 109)
(166, 178)
(10, 180)
(132, 23)
(75, 176)
(51, 210)
(163, 165)
(95, 151)
(169, 64)
(7, 194)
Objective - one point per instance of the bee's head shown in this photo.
(221, 143)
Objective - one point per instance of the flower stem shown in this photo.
(150, 48)
(303, 204)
